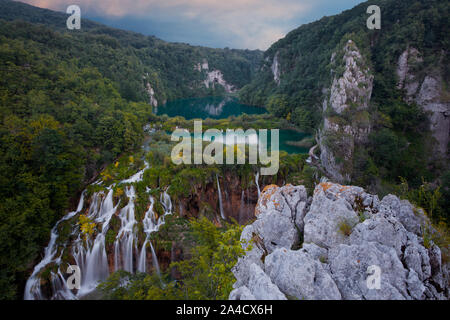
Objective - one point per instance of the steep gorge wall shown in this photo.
(345, 113)
(427, 88)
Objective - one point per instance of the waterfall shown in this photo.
(92, 258)
(149, 224)
(142, 257)
(89, 252)
(166, 202)
(241, 209)
(152, 224)
(220, 198)
(126, 235)
(33, 285)
(136, 177)
(155, 260)
(257, 183)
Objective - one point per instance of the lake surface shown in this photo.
(224, 107)
(208, 107)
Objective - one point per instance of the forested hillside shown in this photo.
(126, 57)
(304, 55)
(297, 80)
(71, 102)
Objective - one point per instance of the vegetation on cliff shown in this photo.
(400, 143)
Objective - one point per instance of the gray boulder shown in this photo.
(349, 265)
(262, 287)
(327, 213)
(380, 256)
(300, 276)
(411, 218)
(241, 293)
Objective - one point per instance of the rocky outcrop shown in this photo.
(150, 91)
(202, 66)
(342, 243)
(151, 94)
(428, 92)
(346, 120)
(213, 77)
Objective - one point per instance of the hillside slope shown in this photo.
(140, 66)
(380, 106)
(72, 102)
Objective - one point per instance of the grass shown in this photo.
(345, 228)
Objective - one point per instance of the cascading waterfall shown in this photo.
(155, 260)
(33, 285)
(166, 202)
(136, 177)
(90, 255)
(150, 225)
(220, 198)
(257, 183)
(89, 252)
(241, 209)
(126, 236)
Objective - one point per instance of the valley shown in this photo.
(87, 178)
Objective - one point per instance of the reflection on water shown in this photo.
(224, 107)
(208, 107)
(285, 136)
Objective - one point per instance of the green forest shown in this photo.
(73, 106)
(400, 143)
(70, 103)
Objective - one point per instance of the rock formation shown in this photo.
(213, 77)
(428, 92)
(346, 120)
(331, 245)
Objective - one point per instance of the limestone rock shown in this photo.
(349, 268)
(241, 293)
(428, 92)
(350, 94)
(262, 287)
(384, 247)
(411, 218)
(298, 275)
(324, 229)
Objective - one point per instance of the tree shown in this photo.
(278, 105)
(206, 275)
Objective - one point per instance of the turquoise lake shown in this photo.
(224, 107)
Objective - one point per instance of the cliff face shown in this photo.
(346, 120)
(342, 243)
(427, 89)
(360, 91)
(213, 77)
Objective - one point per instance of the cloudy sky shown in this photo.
(242, 24)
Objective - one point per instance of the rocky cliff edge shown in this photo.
(341, 243)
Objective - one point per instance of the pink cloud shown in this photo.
(253, 23)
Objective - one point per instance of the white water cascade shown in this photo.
(166, 202)
(155, 260)
(151, 224)
(89, 251)
(33, 285)
(257, 183)
(90, 254)
(220, 198)
(126, 237)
